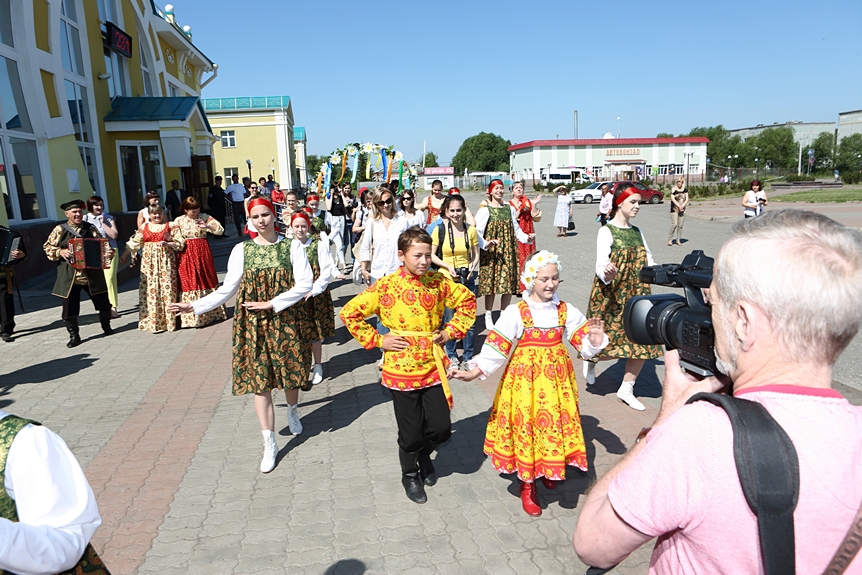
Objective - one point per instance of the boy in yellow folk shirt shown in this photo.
(410, 302)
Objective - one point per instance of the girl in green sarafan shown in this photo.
(621, 252)
(269, 275)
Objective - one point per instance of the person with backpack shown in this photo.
(456, 249)
(780, 324)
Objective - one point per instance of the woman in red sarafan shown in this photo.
(526, 212)
(195, 265)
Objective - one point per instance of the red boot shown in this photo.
(529, 500)
(549, 483)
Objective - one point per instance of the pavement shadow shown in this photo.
(567, 493)
(346, 567)
(340, 410)
(647, 384)
(42, 372)
(463, 452)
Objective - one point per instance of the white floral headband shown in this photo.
(537, 262)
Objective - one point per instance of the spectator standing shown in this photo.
(270, 183)
(174, 199)
(605, 204)
(408, 209)
(216, 203)
(754, 200)
(563, 213)
(150, 200)
(236, 193)
(778, 334)
(678, 203)
(107, 227)
(7, 283)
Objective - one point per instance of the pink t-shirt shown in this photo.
(683, 487)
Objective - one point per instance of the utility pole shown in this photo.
(424, 142)
(576, 124)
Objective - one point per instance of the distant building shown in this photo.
(446, 175)
(259, 129)
(849, 123)
(103, 96)
(608, 159)
(803, 132)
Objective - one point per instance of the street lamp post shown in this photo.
(730, 161)
(688, 157)
(618, 127)
(249, 168)
(756, 168)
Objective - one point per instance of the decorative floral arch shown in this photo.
(383, 157)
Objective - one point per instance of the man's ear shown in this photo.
(746, 324)
(401, 256)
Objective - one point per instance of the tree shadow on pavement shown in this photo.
(42, 372)
(346, 567)
(339, 411)
(568, 493)
(608, 381)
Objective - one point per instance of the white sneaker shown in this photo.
(589, 372)
(316, 374)
(489, 321)
(626, 394)
(293, 419)
(270, 450)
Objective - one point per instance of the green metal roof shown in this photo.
(298, 134)
(147, 109)
(246, 103)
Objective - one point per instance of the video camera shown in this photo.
(681, 323)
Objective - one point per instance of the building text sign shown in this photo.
(622, 152)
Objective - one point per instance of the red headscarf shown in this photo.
(262, 201)
(454, 191)
(302, 215)
(492, 184)
(312, 198)
(625, 194)
(308, 210)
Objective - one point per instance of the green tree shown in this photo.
(313, 163)
(664, 135)
(431, 160)
(482, 153)
(824, 151)
(776, 146)
(849, 156)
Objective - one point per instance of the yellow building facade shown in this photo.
(255, 138)
(97, 96)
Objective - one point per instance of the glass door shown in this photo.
(142, 172)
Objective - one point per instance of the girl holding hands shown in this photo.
(534, 428)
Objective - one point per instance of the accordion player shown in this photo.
(91, 253)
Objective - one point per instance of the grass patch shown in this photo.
(820, 196)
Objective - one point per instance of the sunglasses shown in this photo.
(254, 187)
(406, 199)
(384, 202)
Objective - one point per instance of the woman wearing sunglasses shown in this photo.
(378, 255)
(408, 209)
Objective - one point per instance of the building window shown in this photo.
(145, 70)
(229, 173)
(141, 173)
(115, 66)
(228, 139)
(173, 91)
(6, 23)
(106, 12)
(70, 39)
(13, 108)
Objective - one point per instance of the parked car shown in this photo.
(588, 195)
(647, 195)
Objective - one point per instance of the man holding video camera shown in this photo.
(780, 324)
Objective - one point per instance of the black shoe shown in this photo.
(410, 478)
(7, 337)
(426, 469)
(105, 320)
(72, 328)
(413, 487)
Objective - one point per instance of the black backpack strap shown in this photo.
(441, 233)
(768, 469)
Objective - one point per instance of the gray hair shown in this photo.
(804, 271)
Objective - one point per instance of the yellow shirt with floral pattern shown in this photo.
(408, 303)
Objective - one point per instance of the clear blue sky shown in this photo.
(399, 73)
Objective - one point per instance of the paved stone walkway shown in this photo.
(173, 457)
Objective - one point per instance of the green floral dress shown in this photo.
(268, 351)
(498, 265)
(316, 314)
(608, 301)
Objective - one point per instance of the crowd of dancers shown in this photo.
(423, 264)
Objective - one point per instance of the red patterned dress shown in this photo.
(196, 268)
(158, 286)
(534, 428)
(524, 209)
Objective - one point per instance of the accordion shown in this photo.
(91, 253)
(8, 244)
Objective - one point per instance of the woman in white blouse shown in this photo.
(269, 275)
(408, 209)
